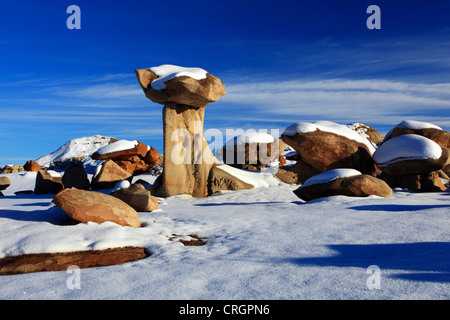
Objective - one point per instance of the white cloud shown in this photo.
(375, 101)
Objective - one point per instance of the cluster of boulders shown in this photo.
(414, 155)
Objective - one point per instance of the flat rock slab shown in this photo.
(40, 262)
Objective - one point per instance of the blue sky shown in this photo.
(281, 62)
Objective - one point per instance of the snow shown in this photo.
(167, 72)
(328, 126)
(263, 178)
(330, 176)
(250, 137)
(118, 146)
(79, 147)
(407, 147)
(417, 125)
(262, 243)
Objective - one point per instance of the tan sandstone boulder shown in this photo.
(84, 206)
(108, 176)
(346, 182)
(137, 197)
(4, 183)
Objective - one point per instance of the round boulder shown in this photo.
(84, 206)
(346, 182)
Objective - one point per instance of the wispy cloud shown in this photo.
(374, 101)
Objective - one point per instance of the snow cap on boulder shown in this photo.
(410, 154)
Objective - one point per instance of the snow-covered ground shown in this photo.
(263, 243)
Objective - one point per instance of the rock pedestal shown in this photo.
(185, 94)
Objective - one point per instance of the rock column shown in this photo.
(187, 157)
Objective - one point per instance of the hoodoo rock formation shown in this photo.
(184, 92)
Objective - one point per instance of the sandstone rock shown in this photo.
(32, 166)
(181, 89)
(137, 197)
(410, 154)
(369, 132)
(120, 150)
(84, 206)
(252, 151)
(39, 262)
(108, 176)
(358, 185)
(427, 182)
(4, 183)
(320, 151)
(188, 158)
(424, 129)
(48, 182)
(76, 177)
(12, 169)
(221, 180)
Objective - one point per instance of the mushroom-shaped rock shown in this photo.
(4, 183)
(187, 86)
(346, 182)
(84, 206)
(410, 154)
(187, 157)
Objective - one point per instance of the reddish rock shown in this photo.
(84, 206)
(152, 156)
(39, 262)
(32, 166)
(355, 186)
(139, 150)
(320, 151)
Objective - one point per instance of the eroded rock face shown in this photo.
(355, 186)
(84, 206)
(187, 157)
